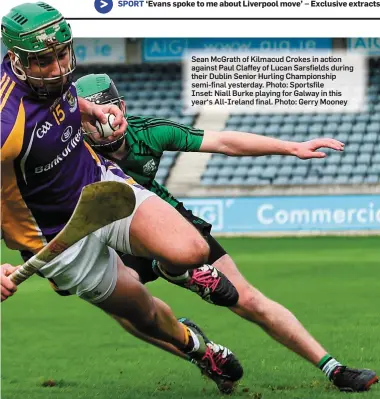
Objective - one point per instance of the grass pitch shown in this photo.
(60, 347)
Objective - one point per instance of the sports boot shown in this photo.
(206, 281)
(215, 361)
(353, 380)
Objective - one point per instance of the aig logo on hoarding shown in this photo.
(208, 209)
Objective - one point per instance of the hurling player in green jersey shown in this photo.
(139, 152)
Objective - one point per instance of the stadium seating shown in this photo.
(155, 90)
(358, 164)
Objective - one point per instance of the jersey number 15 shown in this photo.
(58, 114)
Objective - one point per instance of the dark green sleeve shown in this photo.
(165, 135)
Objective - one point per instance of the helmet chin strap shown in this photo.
(104, 147)
(113, 146)
(17, 68)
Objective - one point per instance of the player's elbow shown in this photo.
(229, 146)
(231, 152)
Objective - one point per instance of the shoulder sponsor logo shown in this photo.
(41, 131)
(73, 101)
(150, 167)
(67, 133)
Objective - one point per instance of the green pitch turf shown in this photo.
(331, 284)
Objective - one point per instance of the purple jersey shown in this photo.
(44, 162)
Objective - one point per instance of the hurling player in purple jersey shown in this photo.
(46, 163)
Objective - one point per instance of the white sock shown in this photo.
(181, 277)
(195, 340)
(330, 366)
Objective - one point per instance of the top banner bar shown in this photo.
(189, 9)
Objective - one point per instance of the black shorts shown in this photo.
(200, 224)
(143, 266)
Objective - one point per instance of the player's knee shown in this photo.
(201, 251)
(196, 252)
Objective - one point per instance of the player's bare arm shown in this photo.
(240, 143)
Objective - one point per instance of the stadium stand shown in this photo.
(358, 164)
(155, 90)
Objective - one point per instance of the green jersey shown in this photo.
(146, 140)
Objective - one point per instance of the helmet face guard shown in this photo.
(32, 31)
(54, 86)
(110, 95)
(100, 89)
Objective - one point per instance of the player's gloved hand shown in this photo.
(7, 287)
(308, 149)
